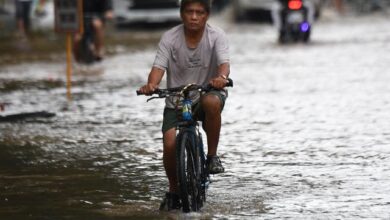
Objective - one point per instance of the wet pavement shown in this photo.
(305, 132)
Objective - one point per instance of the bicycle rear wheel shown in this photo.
(189, 171)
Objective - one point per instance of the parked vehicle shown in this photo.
(148, 11)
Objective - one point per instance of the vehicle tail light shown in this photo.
(305, 26)
(295, 4)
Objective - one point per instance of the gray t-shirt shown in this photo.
(184, 65)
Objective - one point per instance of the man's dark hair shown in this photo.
(205, 3)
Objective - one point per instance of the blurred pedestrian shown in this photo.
(23, 20)
(100, 10)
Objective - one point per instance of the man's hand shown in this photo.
(218, 82)
(109, 15)
(154, 80)
(148, 89)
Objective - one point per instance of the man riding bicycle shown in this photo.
(192, 52)
(101, 10)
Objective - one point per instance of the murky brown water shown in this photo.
(305, 133)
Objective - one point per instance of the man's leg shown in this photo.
(21, 29)
(26, 16)
(99, 37)
(19, 19)
(171, 200)
(76, 45)
(212, 107)
(169, 158)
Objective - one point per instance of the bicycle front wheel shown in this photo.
(189, 171)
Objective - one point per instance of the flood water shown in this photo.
(305, 132)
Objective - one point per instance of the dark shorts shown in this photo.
(22, 11)
(92, 16)
(170, 115)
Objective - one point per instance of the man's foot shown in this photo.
(214, 165)
(170, 202)
(99, 55)
(98, 58)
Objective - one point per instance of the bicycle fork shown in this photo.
(205, 173)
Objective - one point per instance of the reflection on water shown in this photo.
(304, 137)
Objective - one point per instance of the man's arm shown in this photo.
(219, 82)
(224, 70)
(154, 79)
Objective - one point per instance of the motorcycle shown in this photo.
(295, 22)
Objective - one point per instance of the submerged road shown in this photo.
(305, 132)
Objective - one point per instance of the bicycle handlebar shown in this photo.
(162, 93)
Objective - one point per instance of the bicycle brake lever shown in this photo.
(229, 82)
(151, 98)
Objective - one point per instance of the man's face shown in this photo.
(194, 16)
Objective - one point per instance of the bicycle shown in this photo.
(192, 174)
